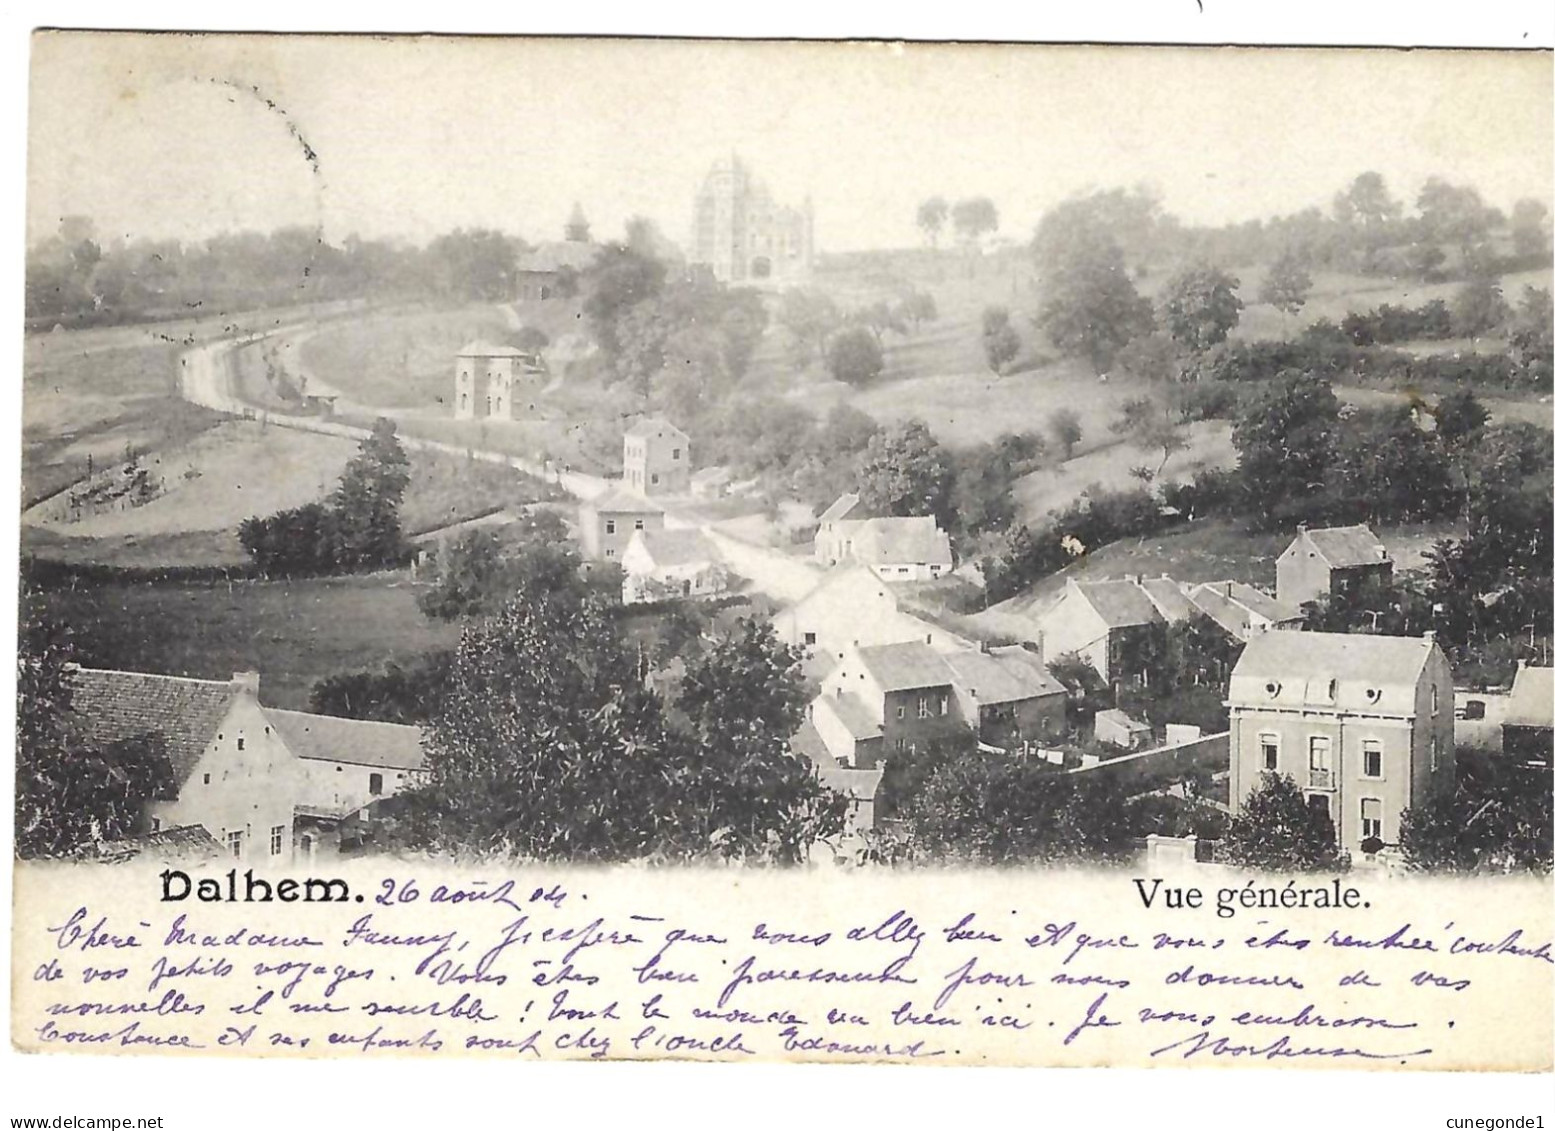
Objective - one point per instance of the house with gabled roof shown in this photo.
(894, 548)
(1241, 610)
(540, 271)
(1331, 561)
(233, 774)
(1362, 723)
(656, 458)
(852, 607)
(1528, 725)
(883, 700)
(1116, 626)
(663, 564)
(607, 522)
(496, 382)
(1007, 695)
(860, 787)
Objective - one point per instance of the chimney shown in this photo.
(247, 682)
(1430, 636)
(1301, 528)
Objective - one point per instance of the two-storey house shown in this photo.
(656, 458)
(607, 522)
(1333, 561)
(1362, 723)
(1007, 695)
(885, 700)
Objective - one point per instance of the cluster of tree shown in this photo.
(547, 742)
(674, 341)
(1495, 818)
(356, 529)
(971, 218)
(72, 794)
(1276, 830)
(76, 277)
(850, 344)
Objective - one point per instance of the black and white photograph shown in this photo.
(521, 514)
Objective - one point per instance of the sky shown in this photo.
(186, 136)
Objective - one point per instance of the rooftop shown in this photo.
(1533, 698)
(677, 547)
(482, 348)
(1120, 604)
(1332, 670)
(1343, 546)
(555, 255)
(840, 509)
(1002, 675)
(882, 541)
(1168, 597)
(327, 738)
(1122, 719)
(616, 499)
(901, 667)
(654, 426)
(850, 711)
(115, 705)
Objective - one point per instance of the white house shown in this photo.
(233, 774)
(854, 608)
(662, 564)
(895, 549)
(347, 764)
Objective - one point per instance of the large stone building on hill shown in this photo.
(743, 236)
(544, 271)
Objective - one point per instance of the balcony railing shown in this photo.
(1319, 778)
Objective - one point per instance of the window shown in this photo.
(944, 704)
(1371, 758)
(1320, 771)
(1435, 700)
(1271, 688)
(638, 525)
(809, 638)
(610, 526)
(1269, 748)
(610, 553)
(901, 745)
(277, 832)
(654, 478)
(207, 779)
(240, 742)
(901, 711)
(1435, 750)
(675, 454)
(375, 784)
(923, 706)
(156, 824)
(235, 843)
(1371, 818)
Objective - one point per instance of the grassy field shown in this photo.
(446, 489)
(400, 358)
(293, 633)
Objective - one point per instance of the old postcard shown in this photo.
(836, 552)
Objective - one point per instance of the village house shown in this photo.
(1242, 611)
(233, 774)
(1362, 723)
(1528, 726)
(347, 765)
(607, 522)
(1118, 728)
(1335, 560)
(860, 787)
(656, 458)
(1007, 695)
(893, 548)
(852, 608)
(711, 482)
(496, 382)
(542, 272)
(885, 700)
(1116, 626)
(663, 564)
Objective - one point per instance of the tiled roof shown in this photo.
(1121, 719)
(1533, 698)
(652, 426)
(357, 741)
(1002, 675)
(186, 842)
(482, 348)
(840, 509)
(556, 254)
(616, 499)
(115, 705)
(807, 743)
(1342, 546)
(901, 541)
(850, 711)
(1230, 602)
(1120, 604)
(1168, 598)
(716, 474)
(1330, 670)
(677, 547)
(1212, 601)
(901, 667)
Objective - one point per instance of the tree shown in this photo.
(753, 797)
(1287, 284)
(1478, 308)
(1089, 307)
(1200, 307)
(904, 471)
(1532, 340)
(1284, 437)
(810, 318)
(931, 218)
(1459, 416)
(877, 318)
(980, 499)
(1369, 212)
(1144, 424)
(1277, 831)
(481, 569)
(617, 280)
(1454, 215)
(1495, 818)
(365, 507)
(1530, 228)
(855, 357)
(1386, 468)
(1064, 426)
(72, 794)
(1001, 343)
(974, 218)
(916, 307)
